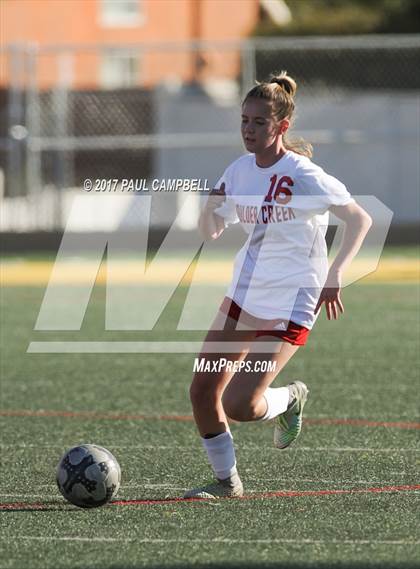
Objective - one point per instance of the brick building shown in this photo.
(123, 43)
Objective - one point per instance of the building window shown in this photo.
(119, 70)
(121, 13)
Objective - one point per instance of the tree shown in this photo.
(344, 17)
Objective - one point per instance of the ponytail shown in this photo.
(280, 91)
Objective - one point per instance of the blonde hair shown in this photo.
(280, 90)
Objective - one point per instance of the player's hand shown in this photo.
(330, 296)
(216, 198)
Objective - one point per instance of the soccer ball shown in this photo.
(88, 476)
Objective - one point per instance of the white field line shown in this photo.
(176, 487)
(168, 485)
(158, 487)
(220, 540)
(238, 447)
(177, 412)
(42, 496)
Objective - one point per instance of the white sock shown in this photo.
(277, 401)
(221, 454)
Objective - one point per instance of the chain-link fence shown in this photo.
(172, 111)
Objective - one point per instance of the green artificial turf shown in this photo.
(364, 366)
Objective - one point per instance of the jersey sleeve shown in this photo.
(228, 209)
(324, 189)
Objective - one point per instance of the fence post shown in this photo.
(15, 118)
(61, 135)
(248, 67)
(33, 122)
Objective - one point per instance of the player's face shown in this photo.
(260, 130)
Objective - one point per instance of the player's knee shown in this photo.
(203, 390)
(240, 408)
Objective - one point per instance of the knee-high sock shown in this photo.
(221, 454)
(277, 399)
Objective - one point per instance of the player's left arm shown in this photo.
(357, 223)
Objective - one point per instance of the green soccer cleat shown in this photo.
(289, 424)
(229, 488)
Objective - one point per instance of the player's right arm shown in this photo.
(211, 225)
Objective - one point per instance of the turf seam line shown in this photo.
(220, 540)
(277, 494)
(260, 495)
(189, 418)
(240, 447)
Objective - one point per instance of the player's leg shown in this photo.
(208, 385)
(206, 396)
(249, 396)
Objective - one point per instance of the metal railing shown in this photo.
(178, 115)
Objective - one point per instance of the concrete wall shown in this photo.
(370, 141)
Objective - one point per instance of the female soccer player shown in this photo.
(280, 281)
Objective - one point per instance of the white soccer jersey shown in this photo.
(281, 269)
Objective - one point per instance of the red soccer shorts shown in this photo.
(294, 333)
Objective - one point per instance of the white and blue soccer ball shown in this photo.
(88, 476)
